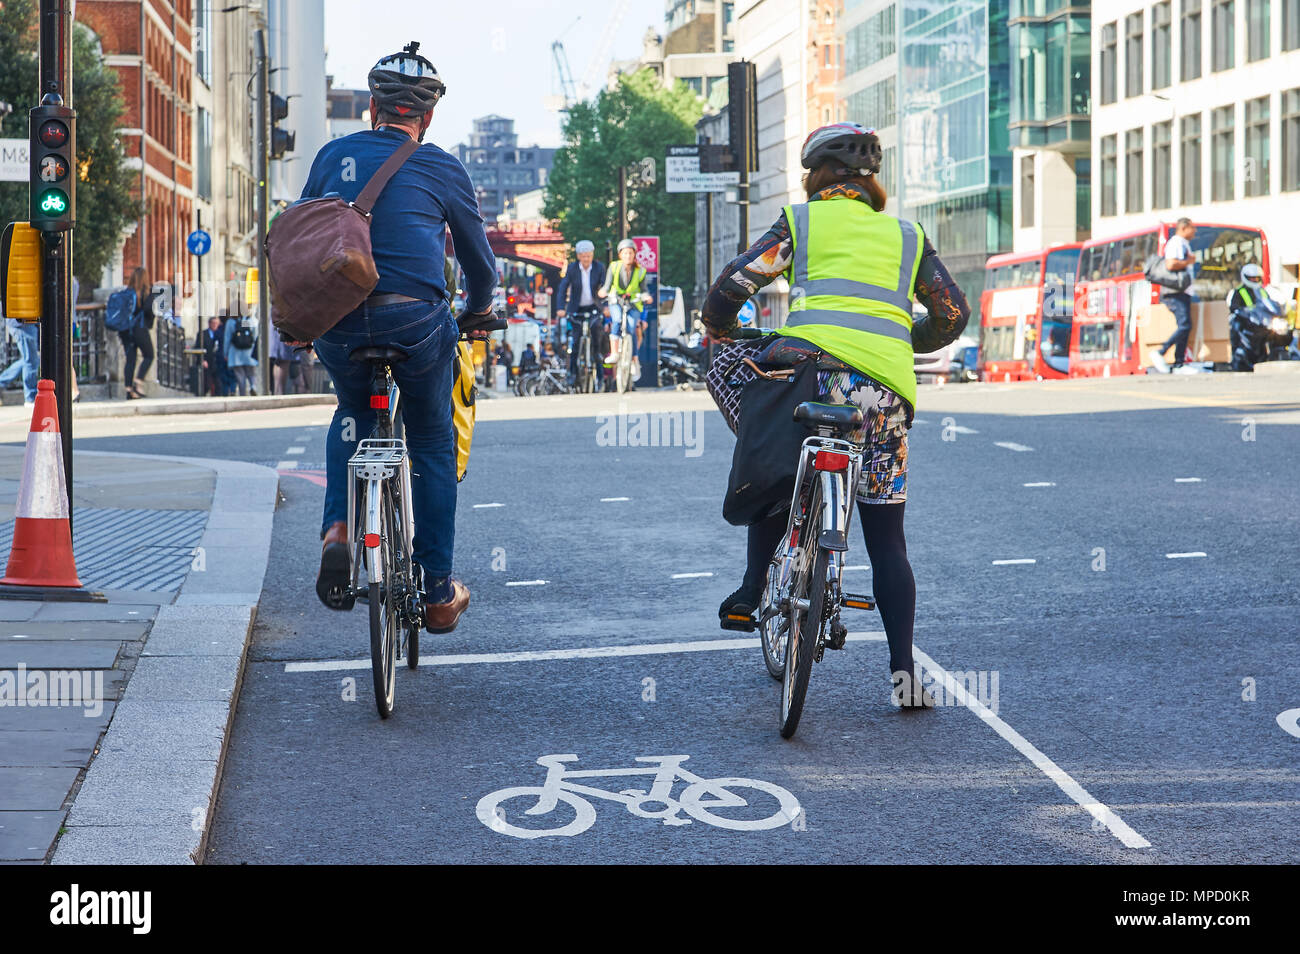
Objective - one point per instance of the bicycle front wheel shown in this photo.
(803, 634)
(385, 613)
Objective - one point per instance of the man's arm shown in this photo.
(744, 275)
(1180, 264)
(948, 310)
(472, 248)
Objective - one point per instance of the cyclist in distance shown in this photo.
(854, 272)
(409, 309)
(625, 280)
(578, 297)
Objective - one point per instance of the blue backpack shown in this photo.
(119, 315)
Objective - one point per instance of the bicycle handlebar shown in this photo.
(741, 334)
(480, 326)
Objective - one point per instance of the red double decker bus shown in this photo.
(1025, 314)
(1118, 317)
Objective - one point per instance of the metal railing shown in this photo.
(172, 362)
(90, 344)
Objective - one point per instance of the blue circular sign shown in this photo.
(199, 242)
(748, 313)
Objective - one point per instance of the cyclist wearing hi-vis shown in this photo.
(626, 280)
(853, 274)
(429, 194)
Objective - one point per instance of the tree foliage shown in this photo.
(635, 119)
(104, 202)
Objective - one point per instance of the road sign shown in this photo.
(199, 242)
(13, 160)
(647, 252)
(682, 172)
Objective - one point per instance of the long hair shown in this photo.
(827, 175)
(139, 283)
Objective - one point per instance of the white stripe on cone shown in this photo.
(42, 492)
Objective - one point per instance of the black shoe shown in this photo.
(333, 583)
(737, 610)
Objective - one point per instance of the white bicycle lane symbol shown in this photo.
(700, 797)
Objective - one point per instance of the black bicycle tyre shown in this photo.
(794, 687)
(775, 667)
(384, 617)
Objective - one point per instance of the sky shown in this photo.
(494, 55)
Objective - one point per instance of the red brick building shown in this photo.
(151, 45)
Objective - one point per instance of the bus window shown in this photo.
(1126, 257)
(1058, 282)
(991, 282)
(1220, 254)
(1146, 248)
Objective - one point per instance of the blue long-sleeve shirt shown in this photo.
(430, 194)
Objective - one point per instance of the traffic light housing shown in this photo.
(21, 264)
(742, 114)
(282, 140)
(52, 155)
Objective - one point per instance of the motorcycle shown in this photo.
(1259, 333)
(683, 361)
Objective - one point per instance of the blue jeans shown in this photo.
(428, 333)
(1181, 305)
(29, 360)
(621, 317)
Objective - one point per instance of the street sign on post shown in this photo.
(13, 160)
(647, 252)
(682, 170)
(199, 242)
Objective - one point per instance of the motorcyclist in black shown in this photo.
(1251, 331)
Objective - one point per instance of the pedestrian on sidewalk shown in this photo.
(137, 338)
(240, 340)
(285, 369)
(27, 365)
(212, 341)
(1178, 257)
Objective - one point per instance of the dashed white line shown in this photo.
(959, 429)
(287, 465)
(1187, 480)
(689, 576)
(1012, 562)
(1184, 556)
(526, 582)
(547, 655)
(1117, 826)
(1012, 446)
(614, 499)
(296, 450)
(487, 506)
(862, 566)
(1040, 483)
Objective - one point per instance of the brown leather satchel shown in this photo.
(318, 256)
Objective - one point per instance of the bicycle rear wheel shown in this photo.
(624, 376)
(385, 613)
(804, 630)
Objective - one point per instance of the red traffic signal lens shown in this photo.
(53, 134)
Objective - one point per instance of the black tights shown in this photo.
(891, 573)
(137, 338)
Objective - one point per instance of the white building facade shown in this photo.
(1196, 112)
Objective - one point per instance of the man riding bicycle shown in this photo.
(625, 291)
(430, 194)
(578, 297)
(853, 273)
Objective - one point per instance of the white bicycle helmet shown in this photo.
(855, 147)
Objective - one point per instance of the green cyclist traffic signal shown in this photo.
(53, 156)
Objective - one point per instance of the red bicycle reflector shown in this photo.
(372, 540)
(379, 401)
(829, 460)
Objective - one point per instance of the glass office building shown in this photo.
(954, 108)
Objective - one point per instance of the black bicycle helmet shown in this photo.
(855, 147)
(405, 83)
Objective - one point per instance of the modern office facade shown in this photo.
(1050, 131)
(1197, 112)
(954, 103)
(499, 167)
(870, 31)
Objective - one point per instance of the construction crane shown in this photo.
(563, 78)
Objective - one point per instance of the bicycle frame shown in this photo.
(666, 769)
(376, 461)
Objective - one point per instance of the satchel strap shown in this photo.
(370, 194)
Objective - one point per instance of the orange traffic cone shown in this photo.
(42, 549)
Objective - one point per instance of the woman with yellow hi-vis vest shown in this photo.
(854, 273)
(625, 282)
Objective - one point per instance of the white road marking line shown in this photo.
(295, 450)
(1118, 827)
(1183, 556)
(287, 465)
(1290, 722)
(1012, 562)
(864, 566)
(614, 499)
(689, 576)
(1012, 446)
(525, 582)
(1040, 483)
(487, 506)
(1187, 480)
(959, 429)
(548, 655)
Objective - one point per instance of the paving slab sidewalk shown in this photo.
(114, 715)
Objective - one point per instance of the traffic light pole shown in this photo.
(56, 305)
(263, 147)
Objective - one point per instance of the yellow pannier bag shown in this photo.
(463, 394)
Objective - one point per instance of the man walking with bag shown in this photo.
(1178, 258)
(429, 193)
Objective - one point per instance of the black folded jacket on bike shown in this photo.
(766, 456)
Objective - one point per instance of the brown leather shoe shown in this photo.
(443, 617)
(333, 582)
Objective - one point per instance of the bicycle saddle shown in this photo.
(844, 417)
(382, 354)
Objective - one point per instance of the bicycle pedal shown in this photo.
(857, 602)
(738, 623)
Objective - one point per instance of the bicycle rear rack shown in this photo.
(377, 458)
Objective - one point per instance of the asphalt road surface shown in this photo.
(1109, 566)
